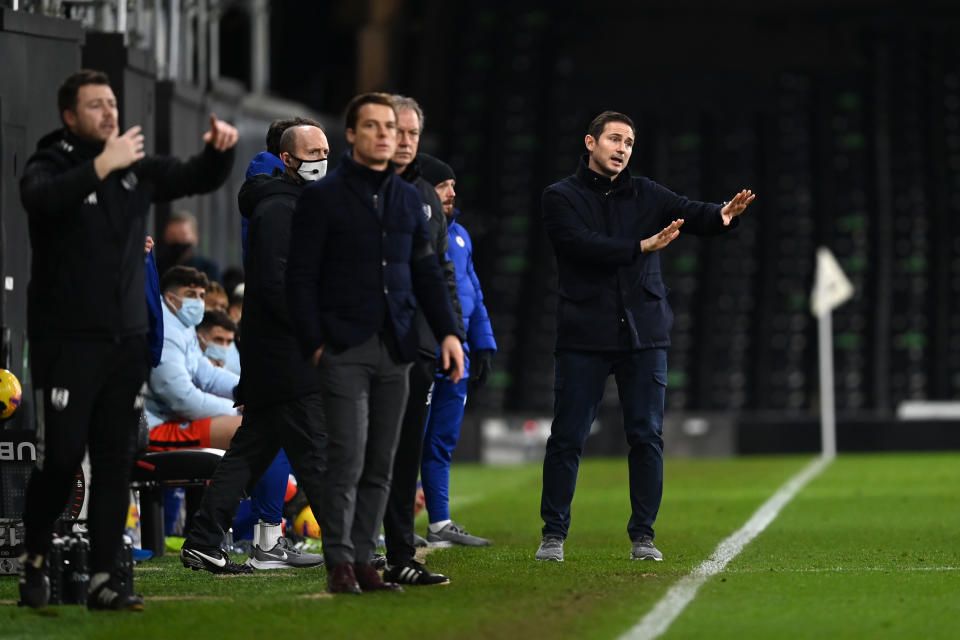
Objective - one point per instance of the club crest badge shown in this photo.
(59, 397)
(427, 211)
(129, 181)
(461, 242)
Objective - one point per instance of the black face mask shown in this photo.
(173, 254)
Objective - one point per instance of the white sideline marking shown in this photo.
(848, 570)
(659, 619)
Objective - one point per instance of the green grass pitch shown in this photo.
(869, 549)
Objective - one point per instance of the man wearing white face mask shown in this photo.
(279, 387)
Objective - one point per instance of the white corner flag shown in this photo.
(831, 288)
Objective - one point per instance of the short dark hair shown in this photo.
(181, 276)
(598, 124)
(67, 93)
(374, 97)
(277, 127)
(215, 318)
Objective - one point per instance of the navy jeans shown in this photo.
(641, 378)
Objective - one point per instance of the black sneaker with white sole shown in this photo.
(210, 559)
(412, 572)
(111, 596)
(283, 555)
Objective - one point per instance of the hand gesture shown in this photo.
(736, 206)
(662, 239)
(222, 135)
(147, 244)
(451, 358)
(119, 152)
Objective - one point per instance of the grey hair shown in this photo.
(405, 102)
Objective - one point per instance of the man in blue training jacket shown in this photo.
(450, 398)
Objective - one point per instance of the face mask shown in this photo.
(311, 171)
(190, 311)
(217, 352)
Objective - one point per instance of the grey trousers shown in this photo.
(364, 392)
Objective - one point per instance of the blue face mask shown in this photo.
(190, 311)
(217, 352)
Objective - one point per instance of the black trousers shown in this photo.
(88, 394)
(297, 427)
(398, 519)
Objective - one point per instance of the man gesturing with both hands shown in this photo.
(607, 229)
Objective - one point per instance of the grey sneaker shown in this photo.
(453, 533)
(643, 549)
(551, 549)
(283, 556)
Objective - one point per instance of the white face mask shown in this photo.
(311, 171)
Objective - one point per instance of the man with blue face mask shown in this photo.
(216, 333)
(189, 401)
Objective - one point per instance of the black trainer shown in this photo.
(111, 597)
(412, 572)
(213, 560)
(34, 583)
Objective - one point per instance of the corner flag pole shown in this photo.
(831, 288)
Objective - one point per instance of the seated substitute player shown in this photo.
(216, 333)
(190, 402)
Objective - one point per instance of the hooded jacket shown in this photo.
(266, 163)
(86, 234)
(611, 295)
(273, 368)
(361, 259)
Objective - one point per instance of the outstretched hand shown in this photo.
(222, 135)
(736, 206)
(662, 239)
(119, 152)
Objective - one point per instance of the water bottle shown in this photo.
(55, 570)
(125, 567)
(77, 579)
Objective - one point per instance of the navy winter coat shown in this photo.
(611, 295)
(360, 257)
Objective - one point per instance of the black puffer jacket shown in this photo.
(273, 368)
(86, 273)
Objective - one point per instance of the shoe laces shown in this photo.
(285, 543)
(552, 542)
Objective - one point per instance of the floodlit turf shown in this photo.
(869, 549)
